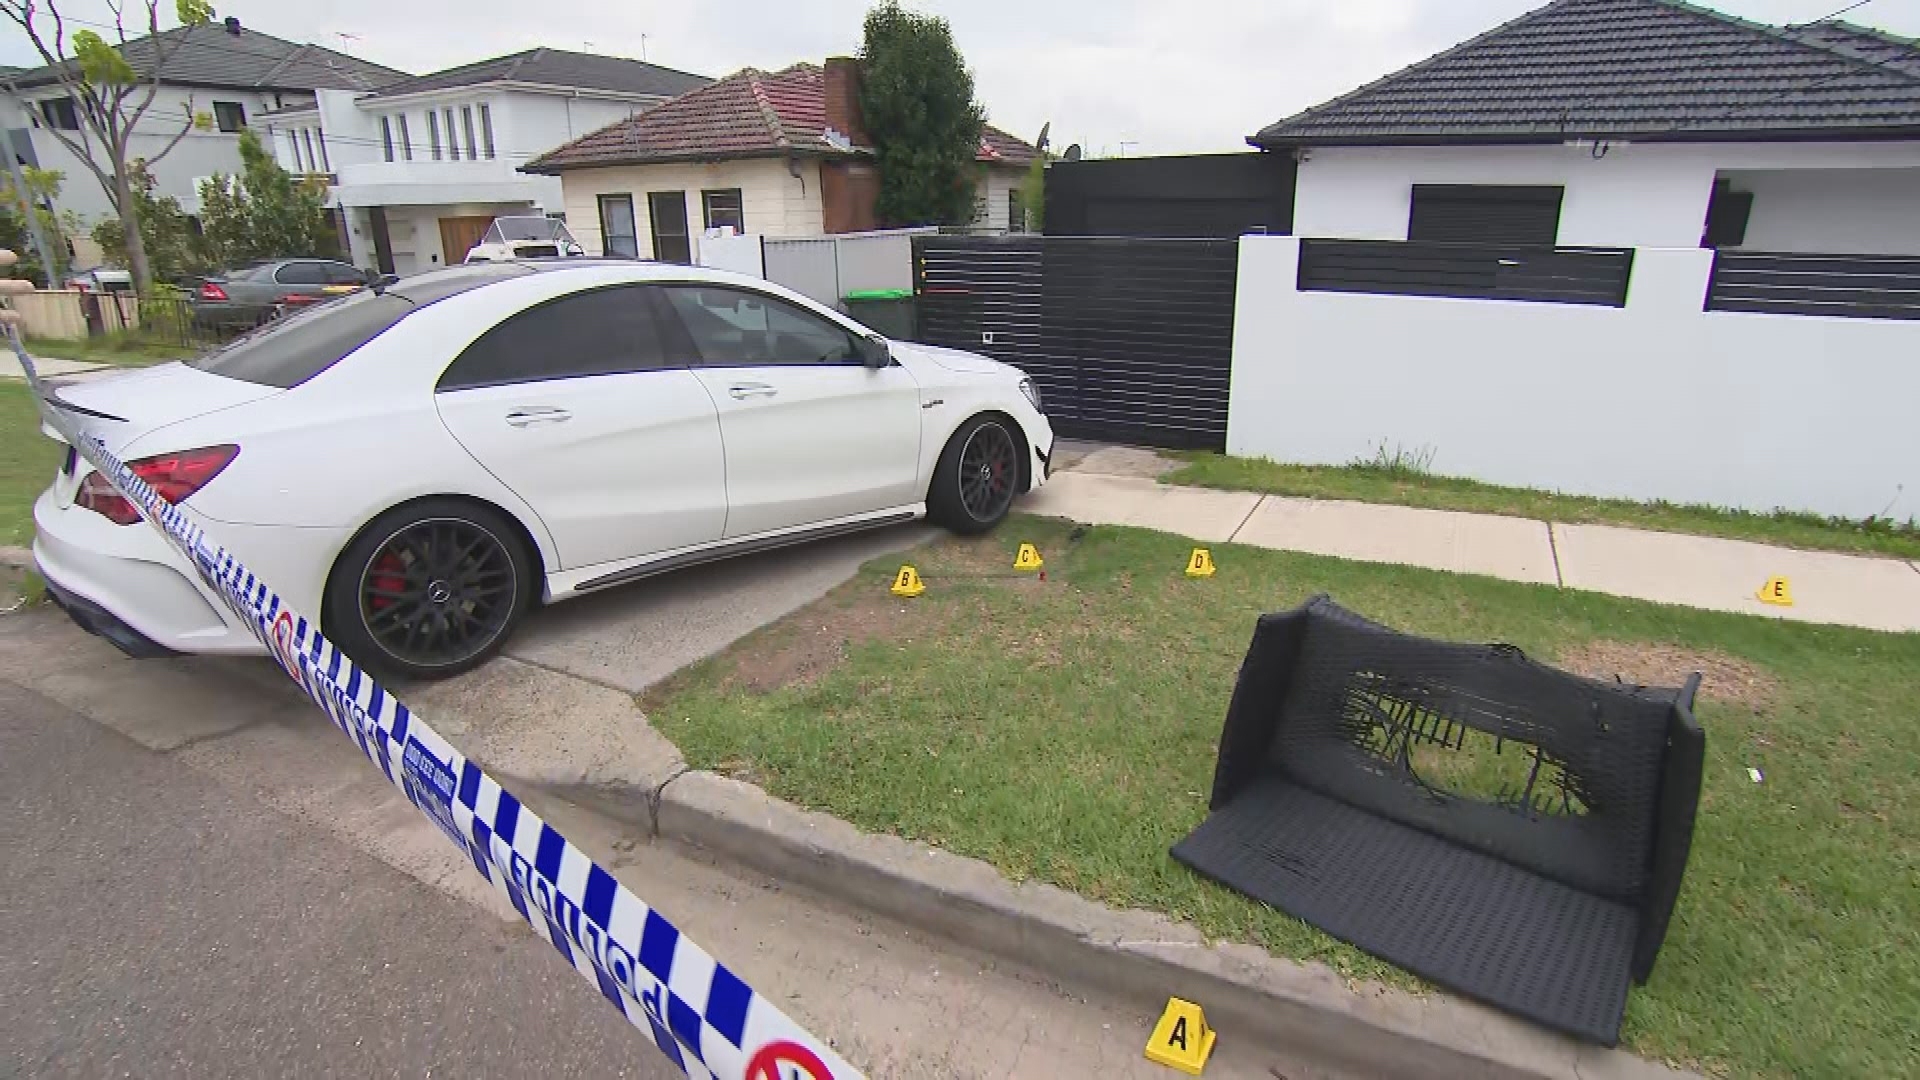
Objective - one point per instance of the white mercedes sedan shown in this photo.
(422, 463)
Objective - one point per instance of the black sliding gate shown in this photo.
(1128, 339)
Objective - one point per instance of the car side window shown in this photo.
(741, 328)
(301, 273)
(608, 331)
(342, 274)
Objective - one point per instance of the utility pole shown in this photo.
(27, 208)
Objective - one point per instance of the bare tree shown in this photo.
(111, 96)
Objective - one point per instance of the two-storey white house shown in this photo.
(420, 167)
(225, 71)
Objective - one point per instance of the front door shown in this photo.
(811, 433)
(458, 235)
(668, 213)
(575, 405)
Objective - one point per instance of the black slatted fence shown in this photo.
(1128, 339)
(1562, 275)
(1781, 283)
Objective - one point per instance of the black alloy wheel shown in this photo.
(977, 476)
(430, 590)
(988, 469)
(437, 592)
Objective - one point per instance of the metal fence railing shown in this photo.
(1791, 283)
(169, 317)
(1556, 275)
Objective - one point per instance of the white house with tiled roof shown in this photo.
(778, 154)
(228, 72)
(1635, 121)
(1622, 248)
(422, 166)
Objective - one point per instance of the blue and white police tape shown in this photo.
(704, 1018)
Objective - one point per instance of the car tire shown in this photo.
(977, 476)
(430, 589)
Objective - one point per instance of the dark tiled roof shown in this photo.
(210, 56)
(557, 67)
(750, 113)
(1641, 69)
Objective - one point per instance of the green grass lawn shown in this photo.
(124, 348)
(1065, 731)
(1377, 483)
(27, 462)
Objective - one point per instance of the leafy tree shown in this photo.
(1033, 193)
(112, 98)
(166, 236)
(264, 213)
(916, 98)
(43, 187)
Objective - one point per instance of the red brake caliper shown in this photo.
(387, 573)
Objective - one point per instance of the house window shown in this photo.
(667, 212)
(406, 141)
(466, 125)
(386, 136)
(617, 233)
(60, 113)
(313, 163)
(433, 132)
(1016, 212)
(722, 208)
(1485, 214)
(486, 130)
(453, 138)
(1727, 214)
(325, 165)
(231, 116)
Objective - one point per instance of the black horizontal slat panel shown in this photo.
(1847, 286)
(1126, 338)
(1466, 271)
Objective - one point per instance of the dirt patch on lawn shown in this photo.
(1723, 677)
(814, 640)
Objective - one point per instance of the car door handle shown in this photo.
(742, 391)
(526, 416)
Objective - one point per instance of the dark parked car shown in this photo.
(253, 294)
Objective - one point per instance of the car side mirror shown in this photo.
(874, 352)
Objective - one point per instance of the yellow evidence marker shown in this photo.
(1776, 592)
(1181, 1040)
(1028, 558)
(908, 583)
(1200, 563)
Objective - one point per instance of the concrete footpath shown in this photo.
(1116, 486)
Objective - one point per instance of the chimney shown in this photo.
(233, 25)
(842, 90)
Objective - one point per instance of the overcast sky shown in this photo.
(1120, 76)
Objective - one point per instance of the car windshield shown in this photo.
(288, 351)
(543, 230)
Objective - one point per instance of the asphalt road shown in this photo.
(154, 924)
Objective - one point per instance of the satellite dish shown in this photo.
(1073, 153)
(1041, 142)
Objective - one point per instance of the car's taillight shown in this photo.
(210, 291)
(172, 476)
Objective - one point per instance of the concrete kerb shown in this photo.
(1301, 1010)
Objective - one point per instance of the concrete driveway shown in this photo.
(631, 637)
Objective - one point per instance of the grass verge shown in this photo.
(1065, 730)
(1395, 482)
(122, 348)
(27, 461)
